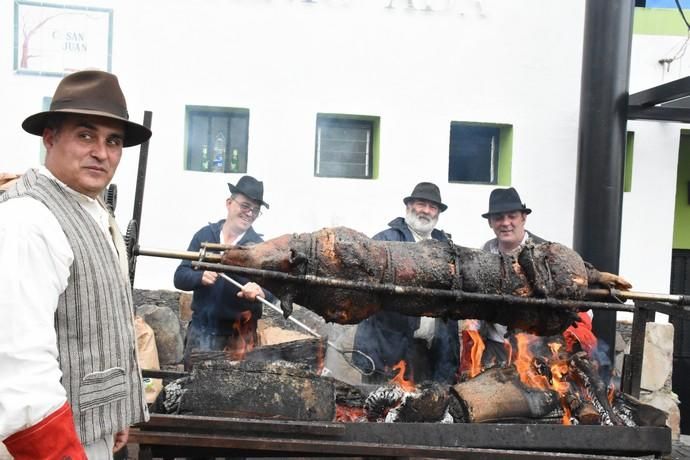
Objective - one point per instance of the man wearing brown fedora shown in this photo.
(71, 385)
(429, 346)
(223, 316)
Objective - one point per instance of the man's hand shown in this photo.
(250, 291)
(208, 278)
(121, 438)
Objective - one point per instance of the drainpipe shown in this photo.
(601, 142)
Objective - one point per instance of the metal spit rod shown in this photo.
(210, 261)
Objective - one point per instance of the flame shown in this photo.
(540, 365)
(611, 393)
(399, 379)
(345, 413)
(473, 349)
(557, 378)
(524, 363)
(243, 337)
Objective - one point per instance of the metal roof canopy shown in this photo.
(667, 102)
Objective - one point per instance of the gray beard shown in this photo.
(421, 225)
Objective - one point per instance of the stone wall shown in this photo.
(657, 368)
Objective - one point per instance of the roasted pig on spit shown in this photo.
(541, 270)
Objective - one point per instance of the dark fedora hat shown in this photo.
(89, 92)
(426, 191)
(251, 188)
(505, 200)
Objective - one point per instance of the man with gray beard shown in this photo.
(429, 346)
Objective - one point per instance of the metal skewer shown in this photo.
(309, 330)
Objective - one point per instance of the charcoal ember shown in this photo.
(456, 409)
(428, 403)
(547, 270)
(633, 412)
(169, 400)
(584, 372)
(382, 400)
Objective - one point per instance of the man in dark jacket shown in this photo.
(430, 347)
(224, 317)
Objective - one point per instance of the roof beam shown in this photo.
(663, 93)
(659, 113)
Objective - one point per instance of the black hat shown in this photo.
(251, 188)
(505, 200)
(426, 191)
(90, 92)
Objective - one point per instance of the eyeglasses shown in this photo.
(247, 208)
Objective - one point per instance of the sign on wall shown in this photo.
(51, 39)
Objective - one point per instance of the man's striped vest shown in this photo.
(93, 320)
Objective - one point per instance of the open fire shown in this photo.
(553, 380)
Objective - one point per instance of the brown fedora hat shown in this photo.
(90, 92)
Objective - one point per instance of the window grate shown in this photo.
(343, 147)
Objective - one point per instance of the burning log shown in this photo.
(306, 353)
(635, 413)
(543, 270)
(583, 411)
(252, 389)
(499, 395)
(584, 372)
(427, 402)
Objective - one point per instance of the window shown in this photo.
(345, 145)
(217, 139)
(479, 153)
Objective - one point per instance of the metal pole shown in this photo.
(141, 174)
(601, 146)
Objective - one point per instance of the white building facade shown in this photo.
(412, 71)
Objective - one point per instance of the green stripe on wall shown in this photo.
(659, 21)
(505, 156)
(629, 149)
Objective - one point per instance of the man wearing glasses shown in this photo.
(224, 317)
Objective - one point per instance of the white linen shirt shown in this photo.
(35, 261)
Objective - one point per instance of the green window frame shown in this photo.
(480, 153)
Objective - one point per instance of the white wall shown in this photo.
(496, 61)
(488, 61)
(648, 209)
